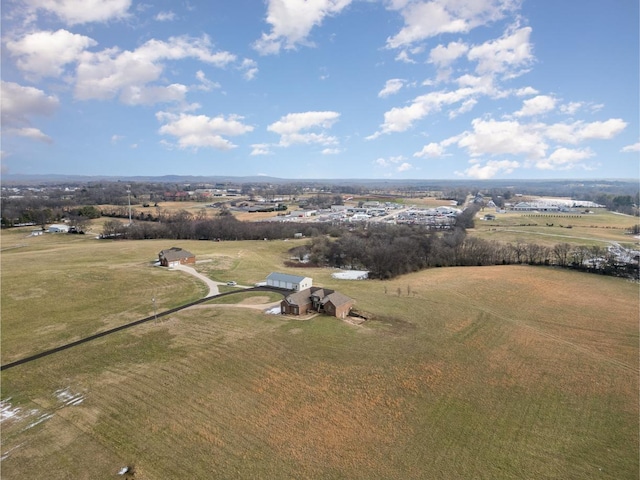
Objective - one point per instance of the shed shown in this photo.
(175, 256)
(58, 228)
(288, 282)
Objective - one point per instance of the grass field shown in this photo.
(598, 228)
(479, 372)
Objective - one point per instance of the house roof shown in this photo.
(299, 298)
(285, 277)
(175, 253)
(337, 299)
(325, 295)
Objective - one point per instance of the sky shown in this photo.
(322, 89)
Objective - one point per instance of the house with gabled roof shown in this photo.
(317, 299)
(175, 256)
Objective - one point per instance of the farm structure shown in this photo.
(58, 228)
(176, 256)
(289, 282)
(317, 299)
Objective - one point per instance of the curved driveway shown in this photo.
(213, 286)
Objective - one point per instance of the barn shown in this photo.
(58, 228)
(175, 256)
(288, 282)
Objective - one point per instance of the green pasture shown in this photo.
(549, 229)
(58, 288)
(480, 372)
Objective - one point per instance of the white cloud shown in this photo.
(292, 21)
(30, 133)
(579, 131)
(466, 106)
(431, 150)
(526, 91)
(564, 159)
(391, 86)
(116, 138)
(19, 103)
(165, 16)
(443, 56)
(505, 55)
(150, 95)
(331, 151)
(205, 84)
(44, 54)
(73, 12)
(250, 68)
(571, 108)
(260, 149)
(403, 56)
(491, 137)
(194, 131)
(426, 19)
(536, 106)
(396, 162)
(490, 169)
(399, 119)
(631, 148)
(111, 72)
(290, 127)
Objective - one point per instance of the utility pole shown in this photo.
(129, 192)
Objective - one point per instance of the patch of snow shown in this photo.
(123, 470)
(65, 396)
(42, 418)
(351, 275)
(7, 411)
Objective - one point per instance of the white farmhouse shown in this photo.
(289, 282)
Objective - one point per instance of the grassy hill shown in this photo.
(479, 372)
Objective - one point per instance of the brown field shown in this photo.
(478, 372)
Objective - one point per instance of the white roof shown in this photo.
(285, 277)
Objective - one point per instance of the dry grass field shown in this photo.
(598, 228)
(479, 372)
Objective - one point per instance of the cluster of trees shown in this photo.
(387, 251)
(184, 226)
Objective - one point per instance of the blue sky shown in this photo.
(420, 89)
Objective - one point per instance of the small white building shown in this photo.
(289, 282)
(58, 228)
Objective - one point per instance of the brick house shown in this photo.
(176, 256)
(317, 299)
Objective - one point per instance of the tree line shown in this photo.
(185, 226)
(388, 251)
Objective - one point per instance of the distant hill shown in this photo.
(573, 185)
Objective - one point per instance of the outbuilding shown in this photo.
(58, 228)
(175, 256)
(288, 282)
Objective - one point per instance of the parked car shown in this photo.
(231, 283)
